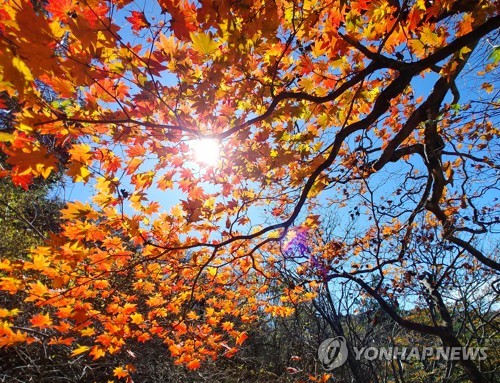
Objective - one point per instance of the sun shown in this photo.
(205, 151)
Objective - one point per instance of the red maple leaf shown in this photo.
(138, 21)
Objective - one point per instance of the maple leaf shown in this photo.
(24, 72)
(194, 364)
(227, 326)
(40, 262)
(81, 155)
(97, 352)
(23, 180)
(138, 21)
(61, 9)
(87, 331)
(196, 193)
(241, 337)
(41, 321)
(212, 271)
(167, 45)
(78, 210)
(137, 318)
(203, 43)
(120, 372)
(32, 162)
(60, 340)
(37, 291)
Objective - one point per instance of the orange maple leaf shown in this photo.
(120, 372)
(41, 321)
(194, 364)
(60, 9)
(240, 338)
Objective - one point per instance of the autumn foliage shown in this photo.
(366, 108)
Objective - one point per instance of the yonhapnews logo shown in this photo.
(332, 353)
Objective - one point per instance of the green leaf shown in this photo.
(495, 54)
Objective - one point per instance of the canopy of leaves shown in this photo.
(384, 111)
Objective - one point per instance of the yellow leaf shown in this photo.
(274, 234)
(203, 43)
(428, 37)
(24, 128)
(4, 313)
(6, 137)
(417, 47)
(167, 44)
(192, 315)
(212, 271)
(57, 29)
(227, 326)
(37, 290)
(79, 172)
(464, 51)
(137, 318)
(22, 68)
(40, 262)
(312, 221)
(89, 331)
(80, 350)
(307, 84)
